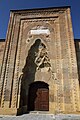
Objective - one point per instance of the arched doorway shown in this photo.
(38, 97)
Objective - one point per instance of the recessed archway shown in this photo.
(38, 96)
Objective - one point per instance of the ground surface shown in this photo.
(37, 116)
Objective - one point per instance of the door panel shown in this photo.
(39, 98)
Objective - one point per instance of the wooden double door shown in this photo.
(38, 97)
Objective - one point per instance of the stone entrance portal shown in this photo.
(39, 51)
(38, 97)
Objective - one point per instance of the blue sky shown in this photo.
(7, 5)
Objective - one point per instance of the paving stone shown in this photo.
(41, 117)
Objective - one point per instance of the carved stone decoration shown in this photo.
(38, 30)
(42, 60)
(39, 48)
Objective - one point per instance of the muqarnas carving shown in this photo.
(42, 60)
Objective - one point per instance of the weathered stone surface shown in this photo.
(40, 49)
(2, 45)
(77, 46)
(44, 116)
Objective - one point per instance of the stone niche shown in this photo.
(39, 69)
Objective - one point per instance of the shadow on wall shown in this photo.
(29, 71)
(38, 97)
